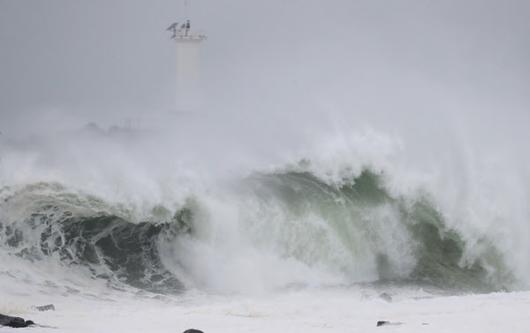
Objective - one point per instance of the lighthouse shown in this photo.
(188, 44)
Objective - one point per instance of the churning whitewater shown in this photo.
(270, 229)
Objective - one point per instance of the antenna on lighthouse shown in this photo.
(183, 32)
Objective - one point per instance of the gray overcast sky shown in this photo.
(95, 56)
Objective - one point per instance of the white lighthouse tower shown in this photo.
(188, 96)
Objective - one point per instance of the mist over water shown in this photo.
(337, 144)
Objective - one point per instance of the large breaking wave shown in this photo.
(271, 229)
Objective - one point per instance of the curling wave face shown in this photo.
(45, 220)
(272, 230)
(368, 235)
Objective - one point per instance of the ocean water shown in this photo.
(136, 226)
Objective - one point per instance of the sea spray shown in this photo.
(272, 230)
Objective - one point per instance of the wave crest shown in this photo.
(356, 231)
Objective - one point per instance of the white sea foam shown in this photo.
(245, 243)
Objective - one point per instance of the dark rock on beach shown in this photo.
(192, 330)
(15, 322)
(47, 307)
(387, 323)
